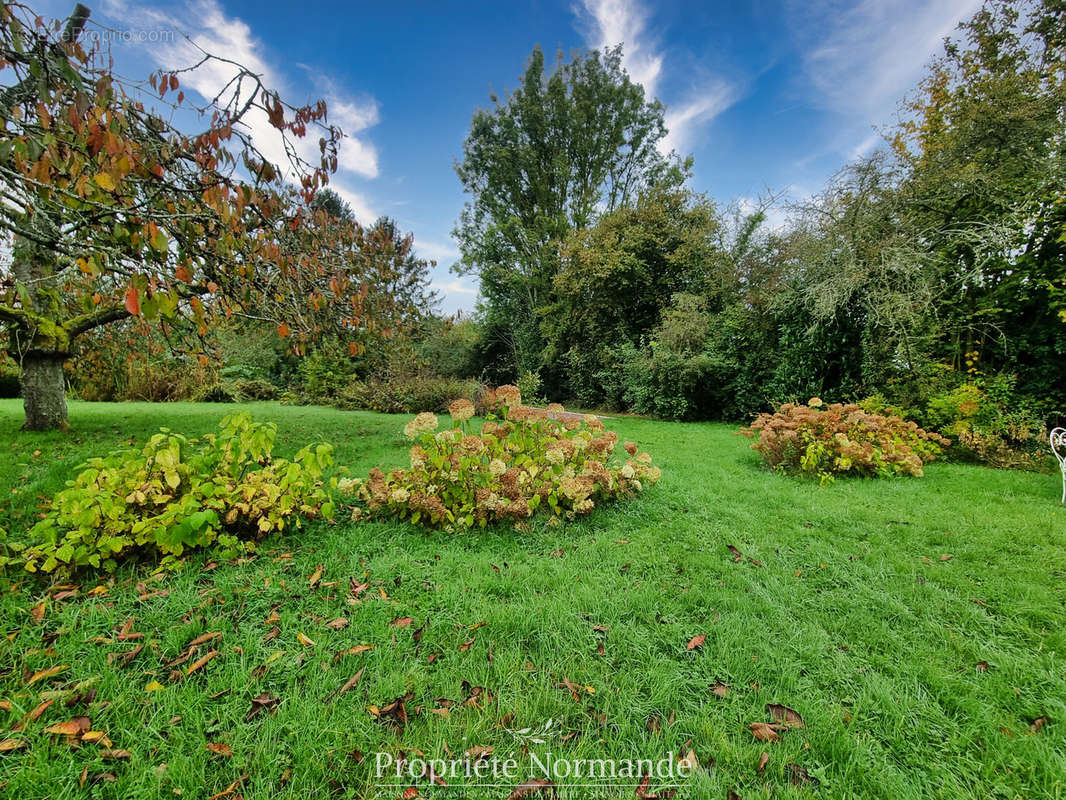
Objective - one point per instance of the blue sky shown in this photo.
(766, 95)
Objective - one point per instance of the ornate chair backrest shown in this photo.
(1058, 445)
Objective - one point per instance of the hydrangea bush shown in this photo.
(823, 440)
(223, 492)
(522, 459)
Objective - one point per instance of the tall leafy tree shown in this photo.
(985, 152)
(560, 150)
(111, 211)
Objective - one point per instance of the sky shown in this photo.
(768, 96)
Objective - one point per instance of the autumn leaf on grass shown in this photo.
(44, 674)
(35, 713)
(737, 555)
(786, 715)
(204, 638)
(696, 641)
(351, 683)
(37, 614)
(315, 576)
(338, 624)
(720, 689)
(72, 727)
(353, 651)
(10, 745)
(304, 640)
(265, 701)
(201, 662)
(401, 622)
(763, 761)
(799, 775)
(764, 731)
(220, 749)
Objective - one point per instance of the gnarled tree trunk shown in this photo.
(44, 391)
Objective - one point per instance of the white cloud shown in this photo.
(612, 22)
(441, 252)
(624, 22)
(456, 286)
(682, 120)
(861, 60)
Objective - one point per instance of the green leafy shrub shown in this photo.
(823, 440)
(223, 491)
(531, 387)
(990, 424)
(522, 459)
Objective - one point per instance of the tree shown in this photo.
(560, 150)
(333, 204)
(111, 211)
(984, 150)
(616, 279)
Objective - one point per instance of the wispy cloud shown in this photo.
(611, 22)
(456, 286)
(861, 59)
(212, 30)
(442, 252)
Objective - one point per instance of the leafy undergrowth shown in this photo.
(914, 628)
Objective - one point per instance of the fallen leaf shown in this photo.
(153, 686)
(94, 736)
(10, 745)
(338, 624)
(689, 762)
(764, 732)
(763, 760)
(265, 701)
(204, 638)
(946, 557)
(36, 712)
(737, 555)
(466, 645)
(786, 715)
(46, 673)
(315, 576)
(69, 728)
(982, 666)
(401, 622)
(1037, 724)
(351, 683)
(37, 613)
(353, 651)
(799, 775)
(201, 662)
(479, 752)
(696, 641)
(304, 640)
(720, 689)
(220, 749)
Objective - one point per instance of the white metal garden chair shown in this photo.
(1058, 447)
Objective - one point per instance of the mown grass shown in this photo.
(917, 675)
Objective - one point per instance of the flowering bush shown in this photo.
(222, 492)
(819, 439)
(521, 459)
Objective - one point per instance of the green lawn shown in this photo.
(917, 625)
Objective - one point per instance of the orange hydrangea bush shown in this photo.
(824, 440)
(522, 459)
